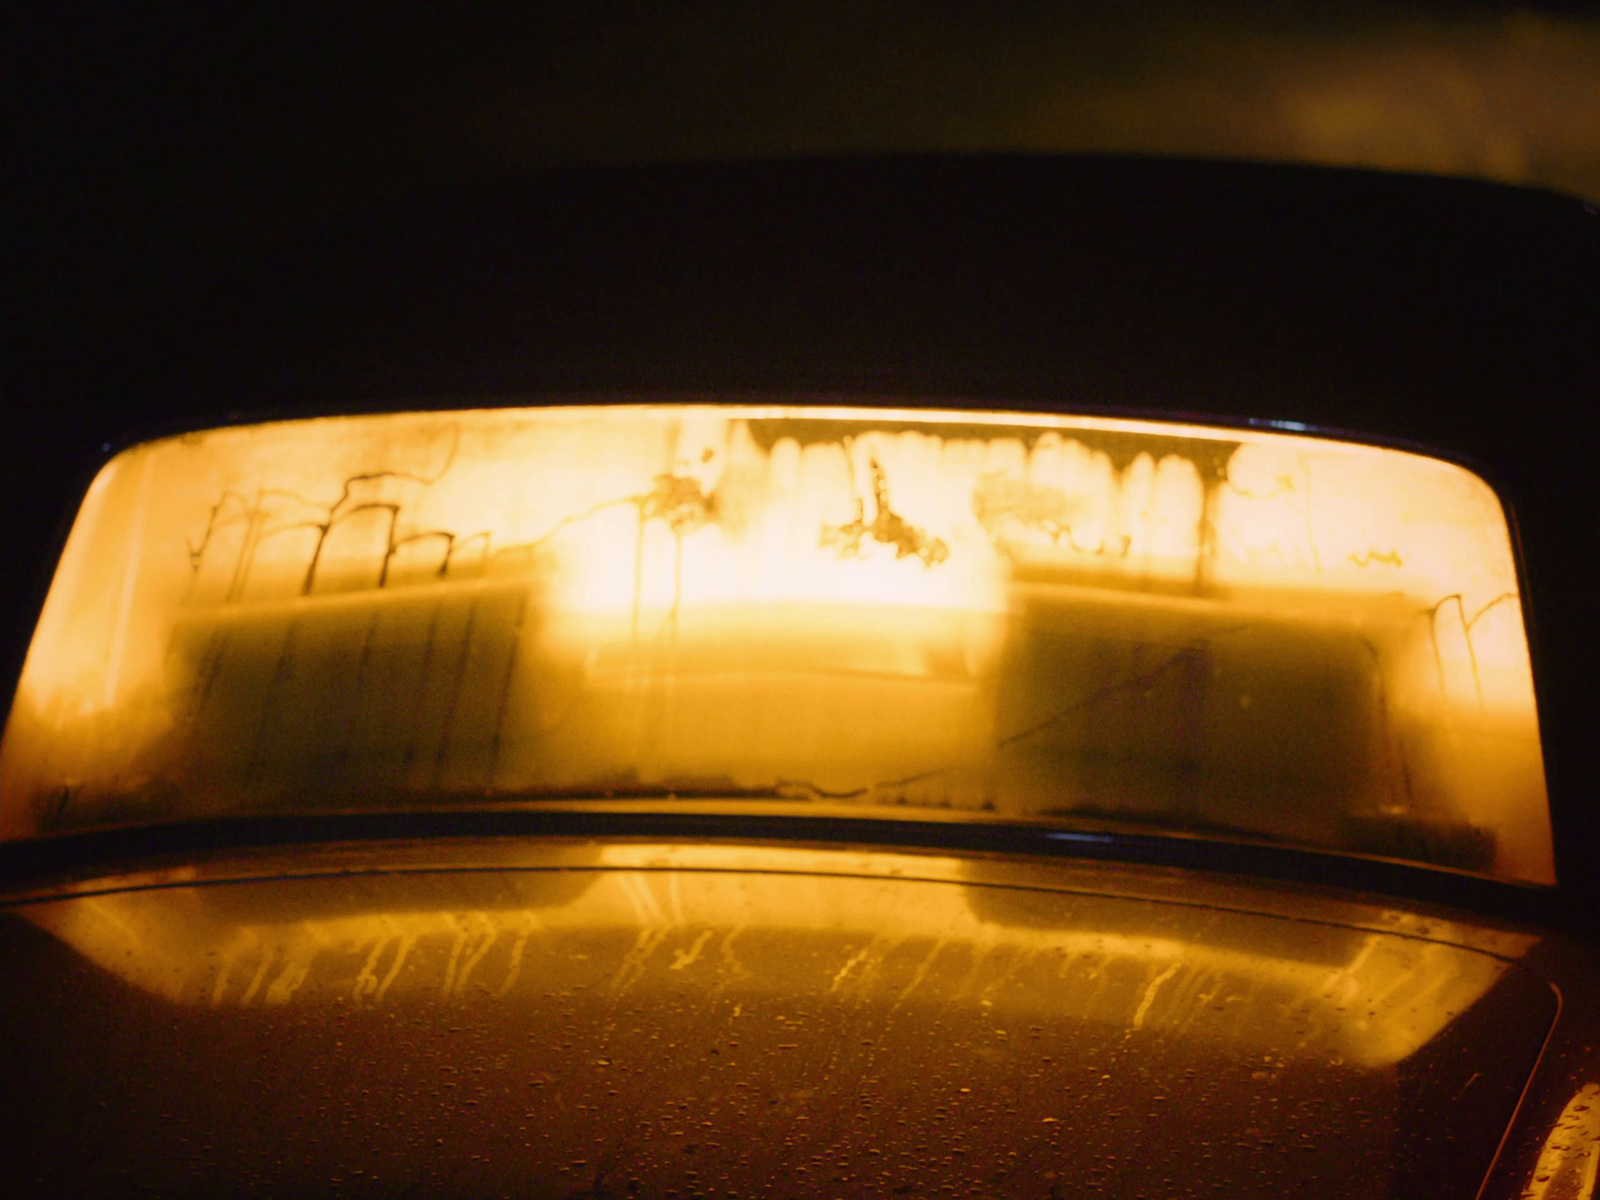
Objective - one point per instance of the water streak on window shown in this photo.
(1097, 621)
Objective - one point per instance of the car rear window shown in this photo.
(1106, 623)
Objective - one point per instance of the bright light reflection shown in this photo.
(856, 941)
(1301, 638)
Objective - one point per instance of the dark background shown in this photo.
(152, 145)
(155, 147)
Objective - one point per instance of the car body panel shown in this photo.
(611, 1019)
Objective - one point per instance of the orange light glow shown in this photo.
(1569, 1162)
(870, 939)
(1281, 635)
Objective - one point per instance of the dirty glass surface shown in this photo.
(1248, 633)
(610, 1029)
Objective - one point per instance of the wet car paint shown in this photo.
(784, 1024)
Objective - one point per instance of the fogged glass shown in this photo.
(1094, 621)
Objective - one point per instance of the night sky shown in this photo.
(151, 142)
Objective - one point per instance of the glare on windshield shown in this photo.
(1090, 621)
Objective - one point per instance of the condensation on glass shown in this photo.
(1094, 621)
